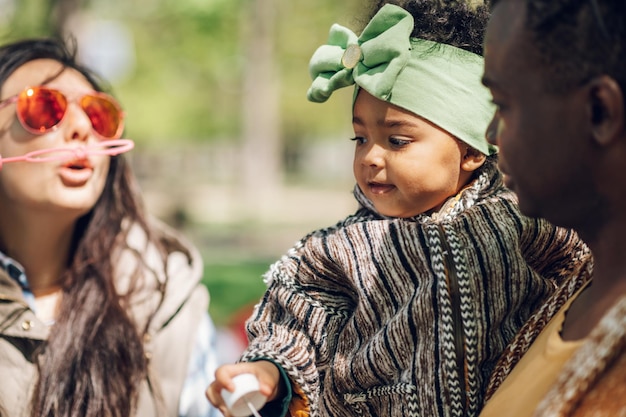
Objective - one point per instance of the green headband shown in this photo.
(438, 82)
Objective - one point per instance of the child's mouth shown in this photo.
(378, 188)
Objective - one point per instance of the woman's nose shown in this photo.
(77, 123)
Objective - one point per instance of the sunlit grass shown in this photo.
(234, 287)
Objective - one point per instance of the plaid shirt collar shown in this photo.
(15, 270)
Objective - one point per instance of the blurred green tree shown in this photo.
(204, 70)
(190, 58)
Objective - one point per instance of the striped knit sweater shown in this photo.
(406, 317)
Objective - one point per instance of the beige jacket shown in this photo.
(168, 341)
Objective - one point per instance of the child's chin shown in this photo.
(390, 212)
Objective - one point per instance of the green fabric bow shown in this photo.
(438, 82)
(374, 59)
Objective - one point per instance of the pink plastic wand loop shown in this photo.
(106, 147)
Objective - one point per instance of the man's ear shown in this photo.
(472, 159)
(606, 109)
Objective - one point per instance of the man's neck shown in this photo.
(608, 281)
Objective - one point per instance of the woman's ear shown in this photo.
(472, 159)
(606, 109)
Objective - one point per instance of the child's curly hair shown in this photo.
(457, 23)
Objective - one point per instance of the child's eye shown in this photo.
(359, 140)
(397, 142)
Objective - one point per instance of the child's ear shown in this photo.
(472, 159)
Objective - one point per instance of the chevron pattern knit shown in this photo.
(407, 317)
(453, 361)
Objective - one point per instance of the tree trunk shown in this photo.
(262, 168)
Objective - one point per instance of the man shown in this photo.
(557, 73)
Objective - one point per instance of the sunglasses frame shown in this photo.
(95, 94)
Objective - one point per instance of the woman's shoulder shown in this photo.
(163, 271)
(158, 263)
(159, 244)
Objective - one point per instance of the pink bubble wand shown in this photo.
(106, 147)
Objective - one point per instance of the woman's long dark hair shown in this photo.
(93, 361)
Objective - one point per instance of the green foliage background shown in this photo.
(186, 83)
(186, 86)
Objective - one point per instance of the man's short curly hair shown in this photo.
(577, 40)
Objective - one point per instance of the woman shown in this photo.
(101, 307)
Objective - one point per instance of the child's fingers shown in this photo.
(225, 373)
(214, 395)
(269, 378)
(265, 372)
(267, 385)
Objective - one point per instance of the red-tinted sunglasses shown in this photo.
(41, 109)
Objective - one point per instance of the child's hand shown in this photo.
(266, 372)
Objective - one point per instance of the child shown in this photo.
(402, 308)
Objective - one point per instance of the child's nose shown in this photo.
(374, 156)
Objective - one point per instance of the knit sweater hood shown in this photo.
(487, 178)
(399, 317)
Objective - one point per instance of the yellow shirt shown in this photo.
(535, 373)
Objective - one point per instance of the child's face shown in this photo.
(404, 164)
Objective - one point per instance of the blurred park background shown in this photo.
(228, 149)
